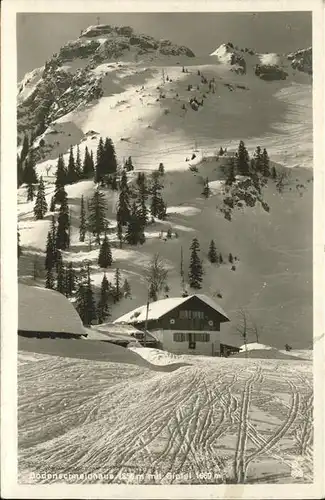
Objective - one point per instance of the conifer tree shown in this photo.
(85, 303)
(158, 207)
(83, 224)
(30, 192)
(50, 253)
(273, 173)
(161, 169)
(88, 165)
(60, 180)
(123, 208)
(117, 292)
(103, 312)
(100, 162)
(230, 258)
(142, 197)
(258, 161)
(70, 280)
(19, 250)
(242, 159)
(129, 165)
(58, 259)
(63, 229)
(135, 230)
(49, 282)
(20, 171)
(206, 189)
(40, 207)
(110, 162)
(97, 214)
(60, 278)
(105, 258)
(119, 230)
(52, 204)
(126, 289)
(72, 175)
(212, 254)
(78, 167)
(220, 258)
(231, 177)
(25, 148)
(265, 164)
(195, 269)
(29, 173)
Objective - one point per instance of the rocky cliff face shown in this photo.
(67, 80)
(302, 60)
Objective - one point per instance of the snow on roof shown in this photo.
(43, 310)
(161, 307)
(251, 346)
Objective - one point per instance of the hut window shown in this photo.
(179, 337)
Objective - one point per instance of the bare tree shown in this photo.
(242, 327)
(247, 326)
(283, 180)
(156, 275)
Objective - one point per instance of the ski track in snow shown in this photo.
(209, 417)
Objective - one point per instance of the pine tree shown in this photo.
(40, 207)
(142, 197)
(60, 278)
(25, 148)
(29, 173)
(212, 254)
(30, 192)
(110, 162)
(135, 230)
(70, 280)
(129, 165)
(72, 175)
(78, 167)
(103, 312)
(88, 165)
(230, 258)
(117, 285)
(49, 282)
(119, 229)
(258, 161)
(158, 207)
(58, 259)
(60, 180)
(52, 204)
(19, 250)
(126, 289)
(123, 208)
(265, 164)
(220, 258)
(161, 169)
(97, 214)
(242, 159)
(63, 229)
(273, 173)
(196, 269)
(100, 159)
(20, 171)
(82, 226)
(85, 303)
(105, 258)
(206, 189)
(231, 177)
(50, 253)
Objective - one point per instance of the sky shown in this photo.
(40, 35)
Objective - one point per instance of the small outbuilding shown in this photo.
(44, 313)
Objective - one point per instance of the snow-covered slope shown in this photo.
(140, 98)
(218, 421)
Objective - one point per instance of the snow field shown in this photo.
(240, 419)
